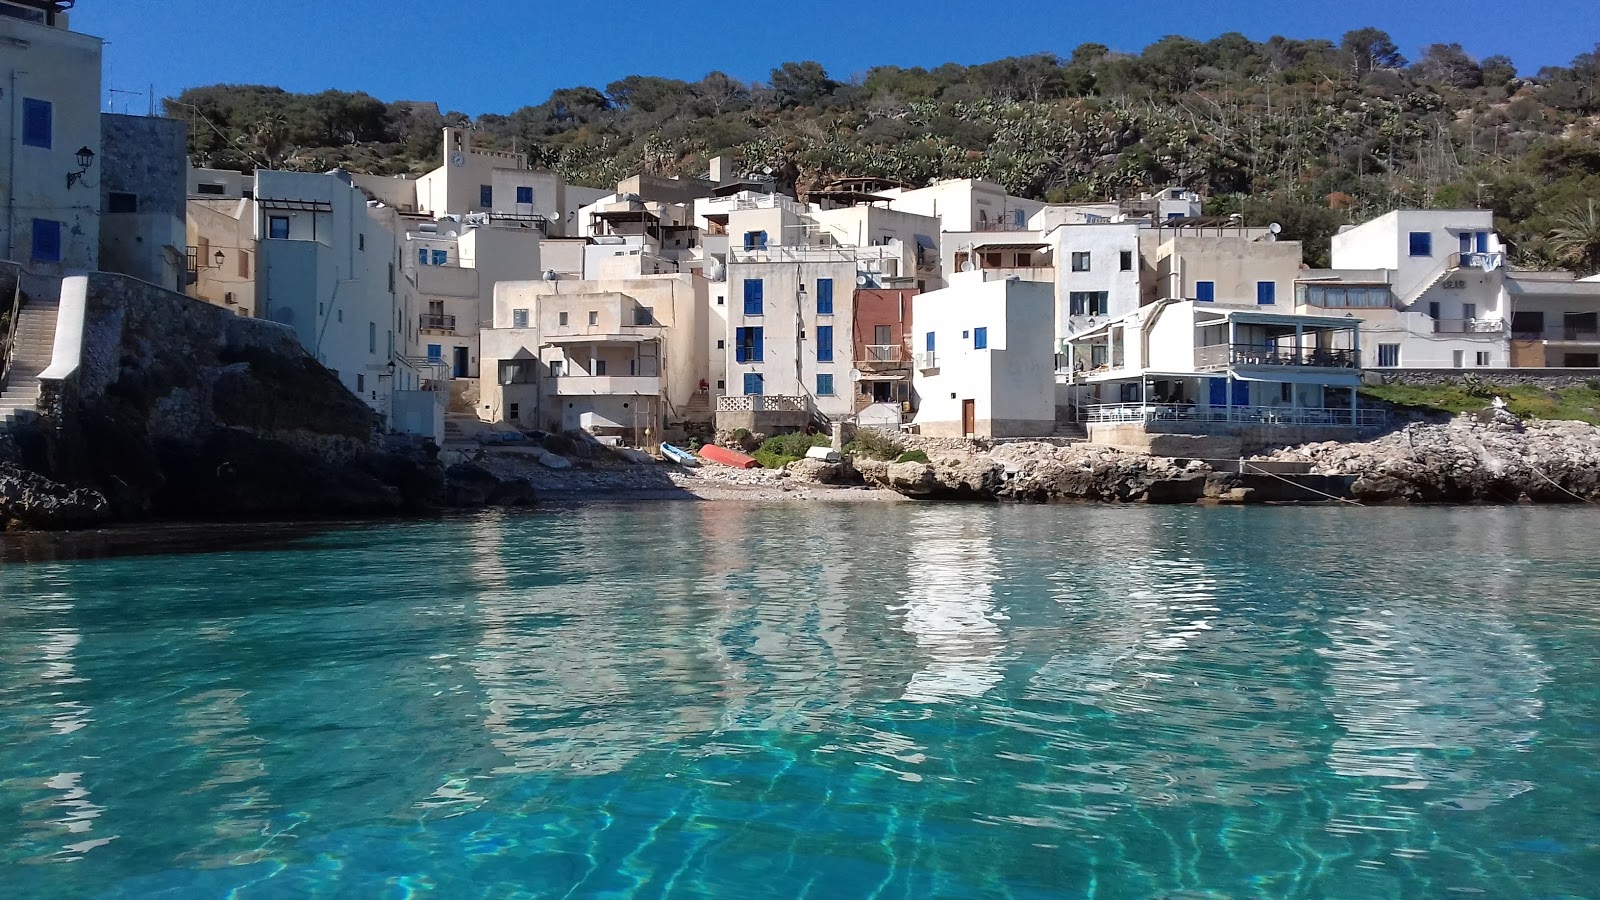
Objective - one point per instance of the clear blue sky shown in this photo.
(497, 55)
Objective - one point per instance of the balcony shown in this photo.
(606, 385)
(881, 354)
(1221, 356)
(1485, 261)
(1572, 333)
(1468, 326)
(436, 322)
(927, 361)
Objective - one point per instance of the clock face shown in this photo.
(458, 160)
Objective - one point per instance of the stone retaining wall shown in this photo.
(1547, 378)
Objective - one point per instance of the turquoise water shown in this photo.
(896, 701)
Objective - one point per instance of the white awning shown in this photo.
(1328, 377)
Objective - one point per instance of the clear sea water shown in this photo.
(895, 701)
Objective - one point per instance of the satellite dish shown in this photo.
(855, 374)
(550, 275)
(862, 280)
(968, 266)
(1275, 228)
(766, 170)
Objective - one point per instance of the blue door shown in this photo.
(1483, 242)
(1219, 392)
(1466, 242)
(1241, 393)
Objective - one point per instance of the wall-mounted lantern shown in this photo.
(85, 160)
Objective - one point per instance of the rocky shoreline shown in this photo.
(1489, 458)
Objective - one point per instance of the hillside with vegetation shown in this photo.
(1308, 133)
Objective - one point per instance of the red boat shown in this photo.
(713, 453)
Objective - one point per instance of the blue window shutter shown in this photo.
(37, 125)
(435, 351)
(930, 342)
(824, 296)
(46, 240)
(1266, 293)
(422, 256)
(486, 196)
(753, 291)
(441, 257)
(752, 383)
(525, 195)
(1205, 290)
(980, 338)
(1466, 242)
(824, 343)
(759, 339)
(825, 385)
(761, 238)
(1421, 243)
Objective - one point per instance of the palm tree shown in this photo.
(1577, 237)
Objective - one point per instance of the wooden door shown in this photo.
(969, 417)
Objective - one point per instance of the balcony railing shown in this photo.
(594, 385)
(1002, 225)
(1484, 261)
(1221, 356)
(881, 353)
(764, 403)
(1468, 326)
(927, 360)
(1155, 413)
(1558, 333)
(436, 322)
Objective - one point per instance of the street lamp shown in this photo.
(85, 160)
(218, 256)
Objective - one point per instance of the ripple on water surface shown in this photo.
(689, 700)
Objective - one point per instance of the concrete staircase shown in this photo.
(35, 343)
(698, 409)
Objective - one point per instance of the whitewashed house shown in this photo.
(985, 358)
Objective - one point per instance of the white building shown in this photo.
(985, 358)
(966, 204)
(790, 304)
(1434, 290)
(1204, 367)
(50, 178)
(624, 359)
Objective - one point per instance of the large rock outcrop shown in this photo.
(1042, 472)
(179, 409)
(1482, 458)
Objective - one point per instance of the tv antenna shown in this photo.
(115, 91)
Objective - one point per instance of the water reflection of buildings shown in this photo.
(949, 605)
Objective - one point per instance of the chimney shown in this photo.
(720, 169)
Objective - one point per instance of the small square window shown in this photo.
(594, 318)
(1080, 262)
(722, 345)
(486, 196)
(1421, 243)
(1205, 291)
(824, 385)
(441, 257)
(525, 195)
(721, 385)
(980, 338)
(561, 319)
(1127, 260)
(519, 318)
(1483, 357)
(278, 228)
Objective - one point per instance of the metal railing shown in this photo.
(880, 353)
(1485, 261)
(438, 322)
(1002, 225)
(1151, 413)
(927, 360)
(1220, 356)
(1468, 326)
(1558, 333)
(8, 348)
